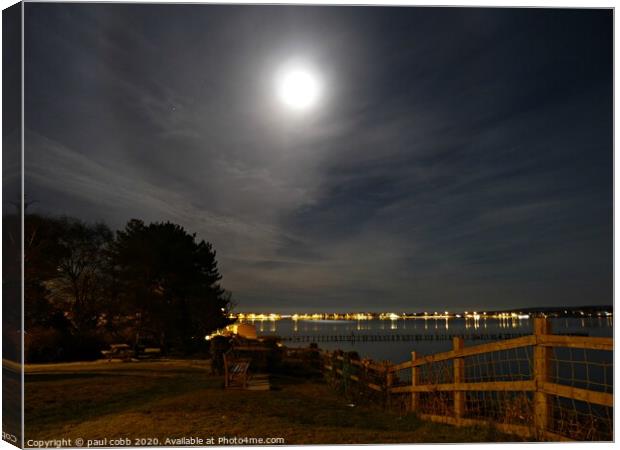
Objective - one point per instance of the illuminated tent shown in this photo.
(244, 330)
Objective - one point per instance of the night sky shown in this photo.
(456, 159)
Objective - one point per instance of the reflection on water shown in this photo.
(599, 326)
(435, 328)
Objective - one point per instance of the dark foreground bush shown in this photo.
(44, 345)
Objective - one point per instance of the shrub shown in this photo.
(44, 345)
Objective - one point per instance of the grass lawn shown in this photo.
(174, 399)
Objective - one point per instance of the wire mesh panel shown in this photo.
(588, 369)
(436, 402)
(400, 403)
(360, 381)
(579, 420)
(514, 364)
(514, 408)
(368, 384)
(437, 372)
(582, 368)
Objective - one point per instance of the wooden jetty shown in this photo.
(400, 337)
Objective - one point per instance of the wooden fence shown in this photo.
(541, 386)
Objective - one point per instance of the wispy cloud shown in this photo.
(451, 162)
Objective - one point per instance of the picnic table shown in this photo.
(118, 351)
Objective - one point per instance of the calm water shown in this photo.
(591, 369)
(433, 333)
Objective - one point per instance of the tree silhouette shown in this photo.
(80, 270)
(64, 262)
(170, 281)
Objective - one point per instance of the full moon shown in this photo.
(298, 88)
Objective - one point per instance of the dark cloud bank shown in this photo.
(460, 158)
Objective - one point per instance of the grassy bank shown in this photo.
(174, 399)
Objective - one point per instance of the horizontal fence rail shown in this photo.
(539, 386)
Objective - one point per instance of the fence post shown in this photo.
(458, 343)
(364, 379)
(388, 385)
(542, 355)
(415, 397)
(345, 374)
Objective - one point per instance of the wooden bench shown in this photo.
(235, 371)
